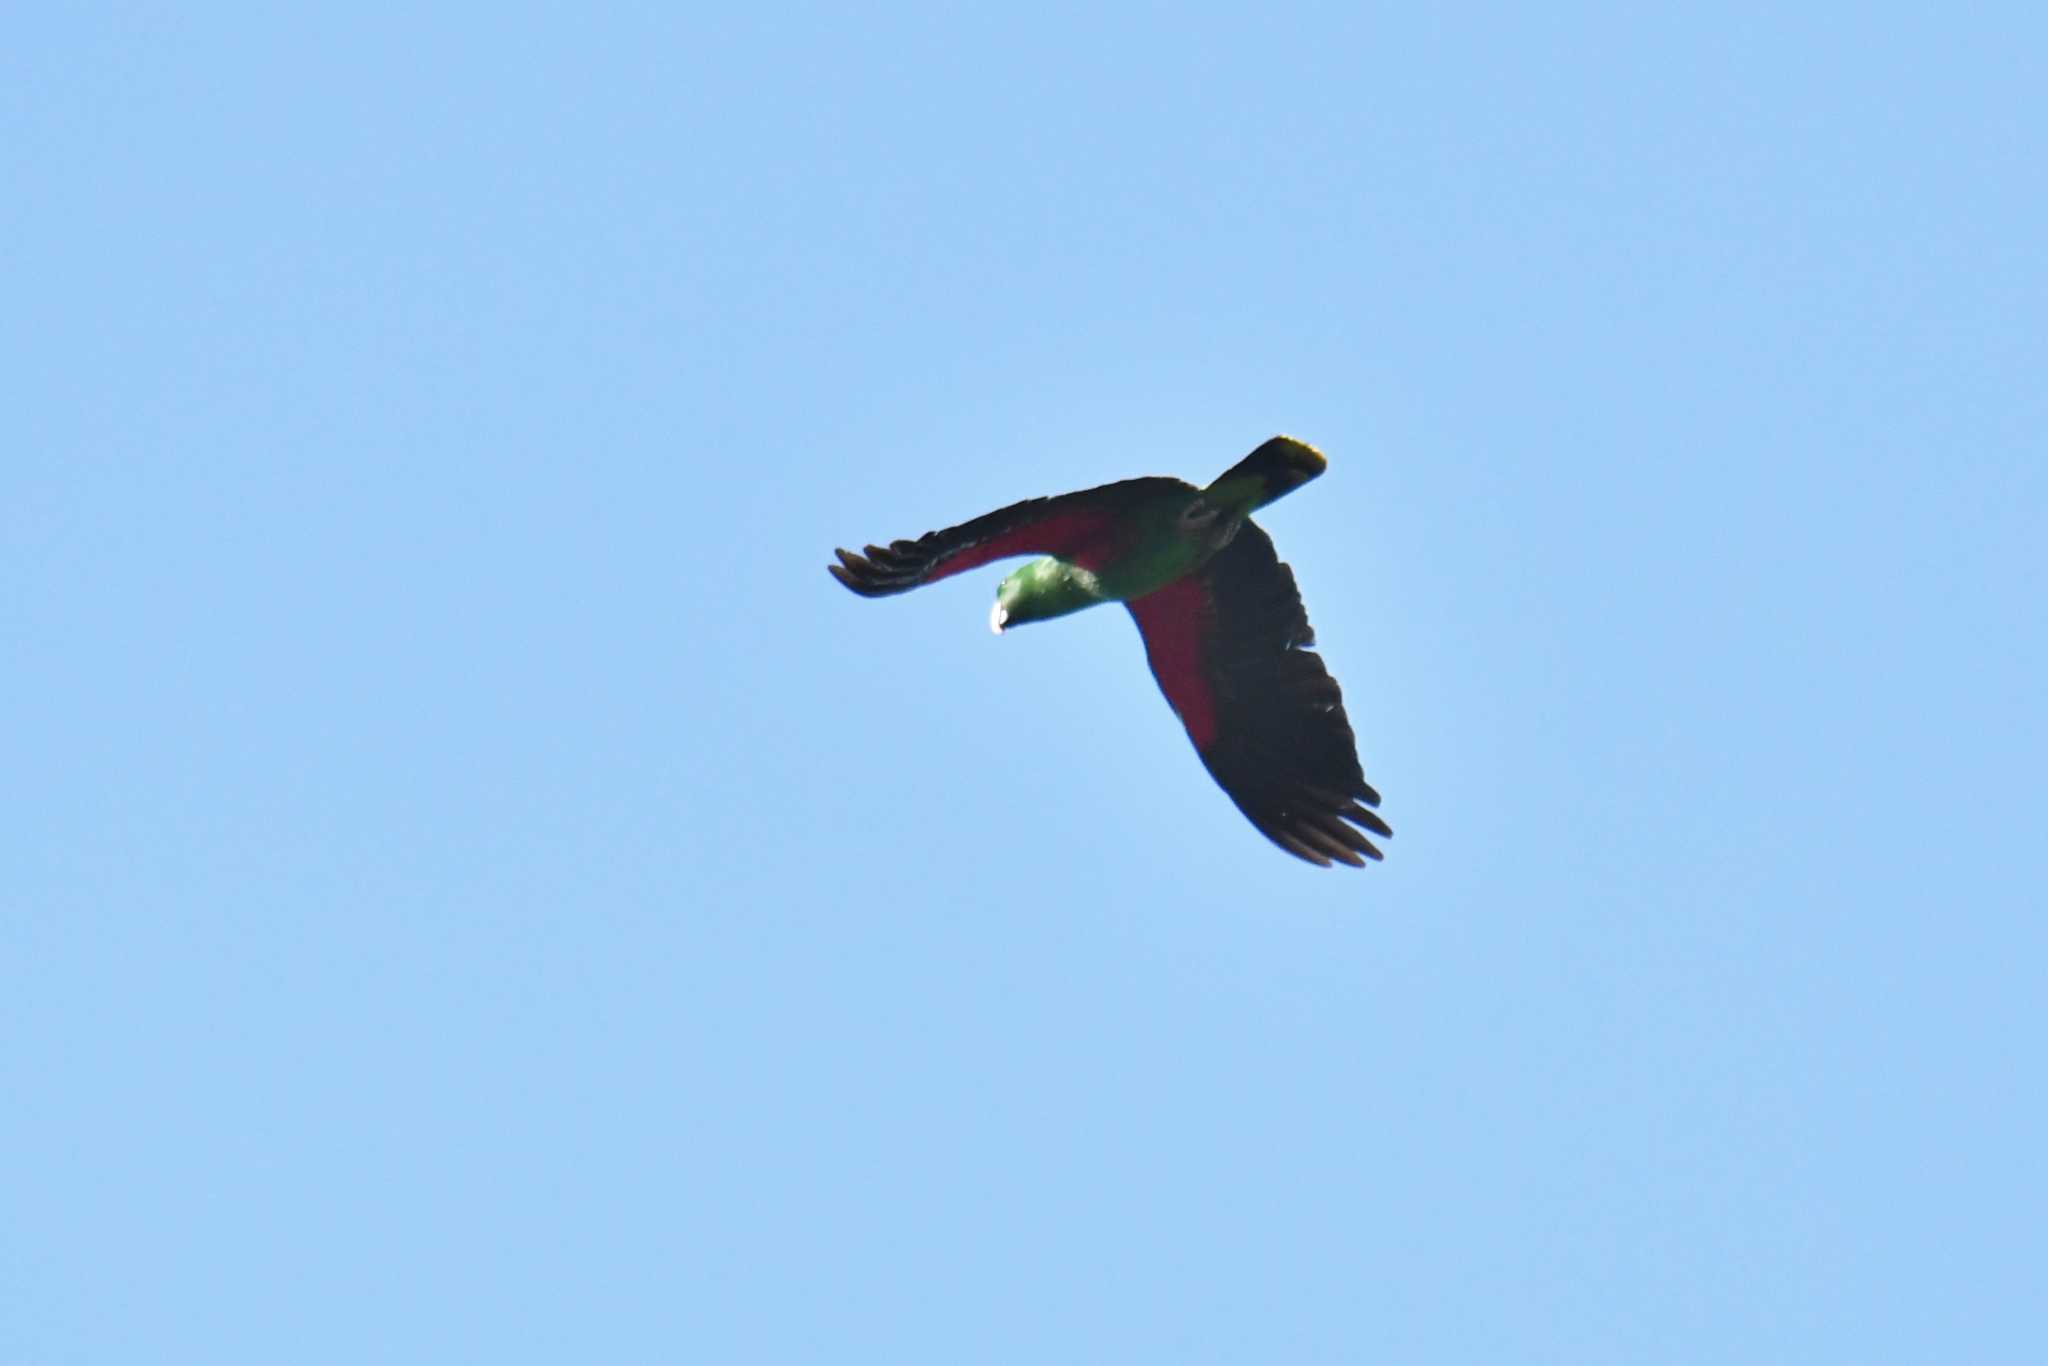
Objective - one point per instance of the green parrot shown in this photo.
(1221, 618)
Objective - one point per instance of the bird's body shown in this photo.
(1224, 628)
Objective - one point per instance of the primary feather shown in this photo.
(1229, 645)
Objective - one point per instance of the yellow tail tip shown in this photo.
(1300, 454)
(1276, 468)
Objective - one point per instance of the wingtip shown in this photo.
(857, 575)
(1295, 846)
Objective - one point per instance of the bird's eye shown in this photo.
(1197, 513)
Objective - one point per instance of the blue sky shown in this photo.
(472, 888)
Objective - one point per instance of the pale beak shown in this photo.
(997, 615)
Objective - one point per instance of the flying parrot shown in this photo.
(1222, 621)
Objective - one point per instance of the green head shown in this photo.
(1044, 588)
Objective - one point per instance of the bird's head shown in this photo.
(1044, 588)
(1000, 614)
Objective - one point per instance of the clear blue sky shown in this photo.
(473, 889)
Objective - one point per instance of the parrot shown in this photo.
(1220, 615)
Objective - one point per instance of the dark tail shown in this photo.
(1275, 469)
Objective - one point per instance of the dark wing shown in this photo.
(1228, 645)
(1081, 528)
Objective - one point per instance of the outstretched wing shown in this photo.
(1081, 528)
(1228, 644)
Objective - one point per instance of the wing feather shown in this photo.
(1078, 527)
(1229, 645)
